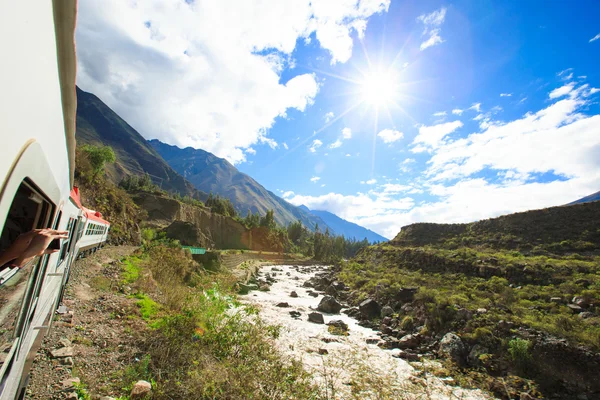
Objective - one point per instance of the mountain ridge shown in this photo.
(210, 173)
(98, 124)
(350, 229)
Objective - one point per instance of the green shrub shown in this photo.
(518, 349)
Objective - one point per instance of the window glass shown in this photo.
(20, 287)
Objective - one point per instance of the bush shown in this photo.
(518, 349)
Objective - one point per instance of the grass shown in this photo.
(148, 307)
(131, 270)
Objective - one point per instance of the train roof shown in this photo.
(89, 214)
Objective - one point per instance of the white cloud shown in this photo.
(347, 154)
(431, 137)
(272, 143)
(457, 111)
(287, 194)
(562, 91)
(371, 181)
(559, 139)
(250, 150)
(315, 179)
(505, 94)
(285, 146)
(440, 114)
(476, 107)
(315, 145)
(390, 135)
(207, 74)
(432, 23)
(335, 144)
(322, 185)
(329, 116)
(346, 133)
(595, 38)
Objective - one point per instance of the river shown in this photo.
(344, 367)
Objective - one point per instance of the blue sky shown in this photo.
(385, 113)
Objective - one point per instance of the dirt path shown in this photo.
(95, 336)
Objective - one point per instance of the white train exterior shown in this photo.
(37, 119)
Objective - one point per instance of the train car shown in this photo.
(93, 232)
(37, 115)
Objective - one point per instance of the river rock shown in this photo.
(452, 347)
(387, 311)
(293, 294)
(295, 314)
(264, 287)
(140, 390)
(409, 342)
(329, 305)
(331, 291)
(339, 286)
(339, 324)
(370, 309)
(312, 294)
(316, 318)
(408, 356)
(283, 304)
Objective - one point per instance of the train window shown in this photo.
(28, 210)
(66, 245)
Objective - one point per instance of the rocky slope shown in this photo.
(97, 124)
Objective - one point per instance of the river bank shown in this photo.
(343, 366)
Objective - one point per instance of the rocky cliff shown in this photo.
(198, 226)
(192, 225)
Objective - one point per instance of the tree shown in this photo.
(98, 156)
(268, 221)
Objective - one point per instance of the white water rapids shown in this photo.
(351, 368)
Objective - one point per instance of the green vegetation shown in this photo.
(144, 183)
(531, 305)
(221, 205)
(97, 157)
(148, 307)
(115, 205)
(200, 342)
(131, 270)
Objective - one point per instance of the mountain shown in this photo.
(347, 228)
(97, 124)
(587, 199)
(210, 173)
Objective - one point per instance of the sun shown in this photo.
(379, 88)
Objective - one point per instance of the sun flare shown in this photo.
(379, 89)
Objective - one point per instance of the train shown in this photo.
(38, 113)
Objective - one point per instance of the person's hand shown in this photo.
(32, 244)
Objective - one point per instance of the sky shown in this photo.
(383, 112)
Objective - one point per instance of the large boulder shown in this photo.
(329, 305)
(370, 309)
(140, 390)
(451, 346)
(316, 318)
